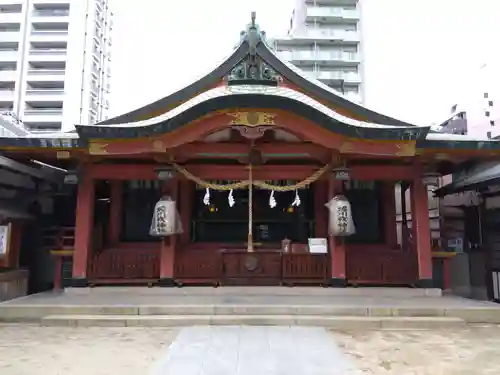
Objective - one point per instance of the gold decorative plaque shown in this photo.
(346, 147)
(98, 148)
(63, 155)
(159, 146)
(252, 119)
(406, 149)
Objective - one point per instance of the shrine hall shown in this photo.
(255, 174)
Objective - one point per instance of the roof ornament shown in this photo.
(252, 69)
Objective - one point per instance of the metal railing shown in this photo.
(48, 51)
(319, 55)
(49, 32)
(44, 112)
(332, 12)
(45, 92)
(51, 12)
(332, 34)
(332, 75)
(40, 72)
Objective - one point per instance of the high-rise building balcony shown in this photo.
(323, 36)
(50, 3)
(11, 18)
(45, 95)
(41, 75)
(41, 115)
(44, 16)
(10, 36)
(8, 75)
(332, 2)
(333, 35)
(39, 35)
(6, 94)
(326, 75)
(48, 55)
(325, 57)
(9, 55)
(331, 15)
(332, 76)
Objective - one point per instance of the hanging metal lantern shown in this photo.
(165, 173)
(343, 174)
(166, 219)
(431, 178)
(340, 217)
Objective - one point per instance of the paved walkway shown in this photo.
(277, 296)
(254, 350)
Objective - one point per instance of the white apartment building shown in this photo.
(324, 40)
(477, 109)
(55, 60)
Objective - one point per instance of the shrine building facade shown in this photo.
(250, 155)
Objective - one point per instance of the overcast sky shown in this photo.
(421, 55)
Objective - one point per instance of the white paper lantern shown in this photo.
(340, 221)
(166, 219)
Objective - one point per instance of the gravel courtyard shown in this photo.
(31, 349)
(475, 351)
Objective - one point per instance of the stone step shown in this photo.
(35, 312)
(373, 292)
(334, 322)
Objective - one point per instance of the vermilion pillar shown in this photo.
(168, 244)
(336, 245)
(390, 224)
(115, 212)
(421, 230)
(83, 231)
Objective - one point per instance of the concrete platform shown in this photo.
(255, 301)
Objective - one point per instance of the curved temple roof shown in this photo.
(261, 96)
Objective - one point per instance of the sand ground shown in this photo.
(35, 350)
(474, 351)
(32, 350)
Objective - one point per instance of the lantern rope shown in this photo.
(261, 184)
(250, 211)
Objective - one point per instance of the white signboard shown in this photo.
(318, 245)
(4, 239)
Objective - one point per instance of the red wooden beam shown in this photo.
(382, 172)
(240, 172)
(276, 150)
(121, 171)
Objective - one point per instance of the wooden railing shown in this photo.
(231, 267)
(305, 268)
(198, 267)
(122, 265)
(381, 267)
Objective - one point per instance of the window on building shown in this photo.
(488, 134)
